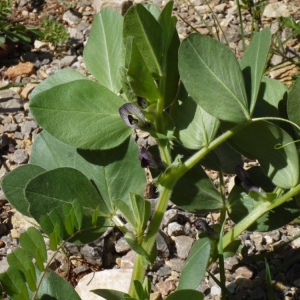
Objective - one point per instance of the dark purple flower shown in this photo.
(242, 178)
(133, 116)
(142, 102)
(148, 159)
(202, 225)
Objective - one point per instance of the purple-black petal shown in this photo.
(147, 159)
(243, 178)
(142, 102)
(133, 116)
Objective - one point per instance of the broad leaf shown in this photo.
(271, 99)
(33, 243)
(111, 171)
(55, 287)
(196, 193)
(153, 9)
(140, 24)
(81, 113)
(281, 165)
(185, 294)
(13, 186)
(13, 281)
(194, 126)
(140, 78)
(102, 53)
(293, 103)
(54, 188)
(212, 76)
(111, 294)
(240, 204)
(169, 62)
(21, 260)
(253, 64)
(61, 77)
(195, 266)
(115, 172)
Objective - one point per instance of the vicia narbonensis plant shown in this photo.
(203, 107)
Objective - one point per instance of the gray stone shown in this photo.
(82, 26)
(18, 135)
(81, 269)
(20, 156)
(68, 60)
(276, 10)
(169, 216)
(175, 229)
(13, 105)
(92, 254)
(10, 127)
(115, 279)
(230, 262)
(244, 271)
(72, 248)
(71, 18)
(165, 287)
(162, 244)
(3, 265)
(127, 261)
(215, 290)
(122, 246)
(176, 264)
(164, 271)
(183, 245)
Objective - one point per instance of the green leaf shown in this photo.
(12, 281)
(253, 64)
(13, 186)
(140, 78)
(169, 63)
(293, 103)
(195, 266)
(95, 215)
(212, 76)
(270, 290)
(78, 213)
(281, 165)
(54, 188)
(115, 172)
(153, 9)
(133, 243)
(70, 110)
(240, 204)
(55, 287)
(126, 211)
(139, 290)
(196, 193)
(103, 51)
(33, 243)
(110, 170)
(69, 218)
(232, 248)
(140, 24)
(61, 77)
(271, 99)
(194, 126)
(186, 294)
(111, 294)
(20, 260)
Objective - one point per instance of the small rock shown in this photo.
(22, 69)
(215, 290)
(122, 246)
(244, 271)
(71, 18)
(183, 245)
(13, 105)
(81, 269)
(20, 156)
(68, 60)
(10, 127)
(14, 234)
(127, 261)
(39, 44)
(115, 279)
(155, 296)
(4, 264)
(175, 229)
(176, 264)
(169, 216)
(164, 271)
(162, 244)
(230, 262)
(165, 287)
(27, 90)
(18, 135)
(276, 10)
(92, 254)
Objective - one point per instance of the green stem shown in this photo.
(241, 24)
(257, 213)
(138, 273)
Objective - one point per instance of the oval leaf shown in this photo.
(81, 113)
(186, 294)
(258, 140)
(103, 51)
(195, 266)
(54, 188)
(13, 186)
(212, 76)
(293, 103)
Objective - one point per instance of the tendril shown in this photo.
(279, 146)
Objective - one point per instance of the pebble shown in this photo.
(183, 245)
(20, 156)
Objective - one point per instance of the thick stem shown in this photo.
(257, 213)
(138, 273)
